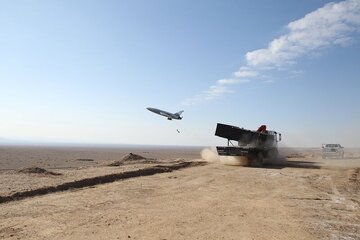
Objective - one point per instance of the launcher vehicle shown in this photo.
(258, 146)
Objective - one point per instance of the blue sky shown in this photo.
(85, 71)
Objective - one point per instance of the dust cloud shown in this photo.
(210, 155)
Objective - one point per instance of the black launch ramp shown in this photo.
(232, 151)
(231, 133)
(242, 135)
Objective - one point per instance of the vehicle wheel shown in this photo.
(272, 154)
(272, 157)
(257, 160)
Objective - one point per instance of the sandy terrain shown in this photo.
(305, 198)
(15, 158)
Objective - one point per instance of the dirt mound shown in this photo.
(131, 158)
(38, 170)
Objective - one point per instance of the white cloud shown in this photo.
(211, 93)
(245, 73)
(268, 81)
(216, 90)
(333, 24)
(232, 81)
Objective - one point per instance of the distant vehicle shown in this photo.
(332, 150)
(169, 116)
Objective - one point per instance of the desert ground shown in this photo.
(175, 193)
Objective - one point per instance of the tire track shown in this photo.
(87, 182)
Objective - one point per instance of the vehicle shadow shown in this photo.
(286, 163)
(302, 164)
